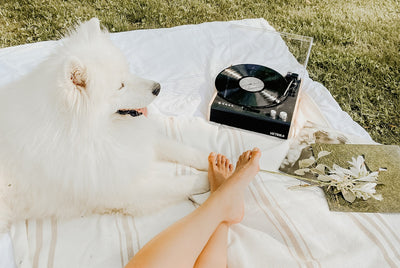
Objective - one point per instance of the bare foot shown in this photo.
(219, 169)
(248, 166)
(230, 193)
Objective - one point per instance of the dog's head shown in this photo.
(96, 76)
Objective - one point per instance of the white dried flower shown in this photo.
(358, 169)
(354, 182)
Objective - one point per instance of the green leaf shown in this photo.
(322, 154)
(319, 169)
(348, 196)
(306, 162)
(324, 178)
(302, 171)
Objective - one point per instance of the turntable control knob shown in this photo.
(283, 116)
(272, 114)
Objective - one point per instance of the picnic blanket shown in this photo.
(281, 227)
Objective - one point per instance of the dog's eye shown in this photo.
(122, 86)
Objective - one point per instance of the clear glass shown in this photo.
(283, 52)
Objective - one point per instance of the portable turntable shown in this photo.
(256, 97)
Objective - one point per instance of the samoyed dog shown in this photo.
(73, 139)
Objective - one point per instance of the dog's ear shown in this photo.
(87, 29)
(94, 24)
(76, 73)
(91, 26)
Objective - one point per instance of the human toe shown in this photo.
(223, 160)
(227, 163)
(255, 153)
(230, 168)
(212, 159)
(219, 160)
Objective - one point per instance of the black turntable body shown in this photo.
(256, 98)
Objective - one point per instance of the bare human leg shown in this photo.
(214, 253)
(181, 244)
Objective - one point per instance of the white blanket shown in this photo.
(281, 228)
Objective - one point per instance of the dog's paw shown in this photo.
(183, 154)
(201, 184)
(194, 184)
(199, 161)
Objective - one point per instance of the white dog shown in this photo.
(66, 147)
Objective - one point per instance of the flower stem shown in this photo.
(320, 183)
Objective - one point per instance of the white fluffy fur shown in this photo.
(64, 149)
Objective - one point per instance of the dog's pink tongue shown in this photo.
(143, 111)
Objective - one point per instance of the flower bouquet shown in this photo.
(364, 178)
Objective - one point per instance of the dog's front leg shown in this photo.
(173, 151)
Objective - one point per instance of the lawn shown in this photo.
(355, 54)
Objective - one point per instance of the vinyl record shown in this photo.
(251, 85)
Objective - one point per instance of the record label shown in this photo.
(251, 85)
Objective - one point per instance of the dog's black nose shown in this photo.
(156, 89)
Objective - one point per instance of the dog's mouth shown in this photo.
(133, 112)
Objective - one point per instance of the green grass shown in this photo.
(355, 54)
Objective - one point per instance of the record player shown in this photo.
(260, 90)
(256, 98)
